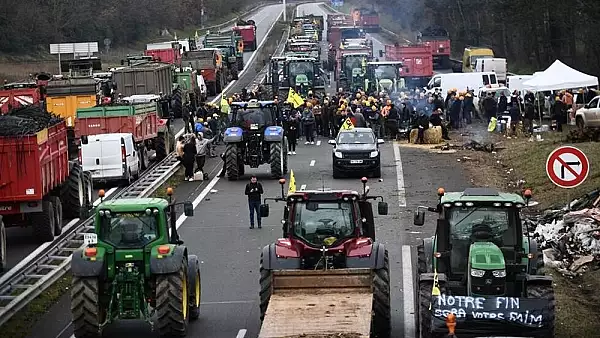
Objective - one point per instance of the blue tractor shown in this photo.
(255, 138)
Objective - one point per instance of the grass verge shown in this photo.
(21, 324)
(172, 182)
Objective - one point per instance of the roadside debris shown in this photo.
(489, 147)
(570, 236)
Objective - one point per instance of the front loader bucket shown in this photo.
(317, 303)
(494, 316)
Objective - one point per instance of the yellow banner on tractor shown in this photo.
(294, 98)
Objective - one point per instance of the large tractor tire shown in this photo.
(424, 303)
(194, 286)
(381, 324)
(177, 103)
(86, 309)
(219, 83)
(2, 246)
(544, 292)
(231, 162)
(421, 259)
(165, 144)
(43, 222)
(240, 64)
(58, 214)
(234, 72)
(278, 159)
(73, 193)
(89, 188)
(266, 281)
(172, 307)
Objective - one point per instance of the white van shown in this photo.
(461, 81)
(110, 157)
(496, 65)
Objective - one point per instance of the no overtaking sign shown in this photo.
(567, 167)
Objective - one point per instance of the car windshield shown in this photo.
(386, 72)
(352, 137)
(129, 230)
(323, 223)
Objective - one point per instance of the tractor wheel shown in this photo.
(172, 307)
(86, 309)
(2, 246)
(266, 280)
(89, 189)
(381, 324)
(240, 64)
(254, 45)
(58, 214)
(241, 169)
(43, 222)
(231, 162)
(421, 259)
(276, 159)
(424, 303)
(218, 84)
(234, 72)
(544, 292)
(143, 157)
(194, 286)
(177, 103)
(73, 193)
(161, 146)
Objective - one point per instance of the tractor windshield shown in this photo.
(351, 33)
(323, 223)
(254, 118)
(355, 65)
(129, 230)
(301, 72)
(387, 72)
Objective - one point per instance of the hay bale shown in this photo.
(433, 135)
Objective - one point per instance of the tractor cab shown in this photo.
(326, 228)
(353, 69)
(253, 116)
(384, 76)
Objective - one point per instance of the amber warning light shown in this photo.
(451, 323)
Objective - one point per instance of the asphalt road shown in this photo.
(229, 251)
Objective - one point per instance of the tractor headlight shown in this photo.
(337, 154)
(499, 273)
(477, 273)
(374, 153)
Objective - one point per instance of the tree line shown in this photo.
(531, 34)
(30, 25)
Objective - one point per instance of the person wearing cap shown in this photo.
(437, 121)
(254, 190)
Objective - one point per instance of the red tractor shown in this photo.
(328, 244)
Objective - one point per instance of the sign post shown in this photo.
(567, 167)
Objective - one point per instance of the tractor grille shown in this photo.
(488, 285)
(357, 155)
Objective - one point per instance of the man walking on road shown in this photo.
(254, 190)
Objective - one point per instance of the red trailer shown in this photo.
(166, 52)
(38, 183)
(15, 95)
(247, 30)
(417, 62)
(439, 41)
(367, 18)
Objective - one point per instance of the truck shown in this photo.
(18, 94)
(167, 52)
(142, 120)
(384, 76)
(439, 40)
(232, 48)
(39, 185)
(496, 65)
(209, 62)
(461, 81)
(247, 30)
(471, 54)
(417, 62)
(368, 19)
(329, 268)
(144, 77)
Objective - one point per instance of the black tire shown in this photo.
(579, 123)
(545, 292)
(2, 246)
(72, 194)
(234, 72)
(421, 259)
(171, 318)
(218, 83)
(254, 45)
(336, 173)
(161, 146)
(43, 222)
(89, 189)
(58, 214)
(231, 162)
(142, 157)
(86, 307)
(177, 103)
(424, 303)
(381, 325)
(276, 159)
(266, 280)
(377, 172)
(194, 286)
(240, 63)
(241, 168)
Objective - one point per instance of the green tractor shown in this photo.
(232, 47)
(134, 266)
(481, 269)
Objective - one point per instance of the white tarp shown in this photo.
(560, 76)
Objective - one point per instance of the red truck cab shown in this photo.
(15, 95)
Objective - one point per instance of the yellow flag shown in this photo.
(292, 188)
(295, 99)
(224, 105)
(347, 125)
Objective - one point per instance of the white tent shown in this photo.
(560, 76)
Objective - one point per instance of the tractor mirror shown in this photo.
(419, 218)
(264, 210)
(382, 208)
(84, 139)
(188, 209)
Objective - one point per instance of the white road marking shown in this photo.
(408, 292)
(106, 194)
(312, 163)
(241, 333)
(303, 187)
(319, 142)
(199, 199)
(400, 176)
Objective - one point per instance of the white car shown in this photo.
(589, 115)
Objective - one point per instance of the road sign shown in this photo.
(567, 167)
